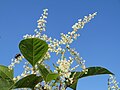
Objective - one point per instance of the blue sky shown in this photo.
(99, 43)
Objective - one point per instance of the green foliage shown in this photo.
(95, 71)
(91, 72)
(6, 77)
(29, 81)
(5, 84)
(47, 75)
(33, 49)
(43, 71)
(52, 76)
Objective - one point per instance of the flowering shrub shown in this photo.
(37, 48)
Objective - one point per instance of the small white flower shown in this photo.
(48, 87)
(112, 83)
(18, 77)
(14, 79)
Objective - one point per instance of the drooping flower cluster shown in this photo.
(112, 83)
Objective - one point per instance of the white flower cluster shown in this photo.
(42, 21)
(68, 38)
(112, 83)
(41, 26)
(27, 71)
(47, 87)
(80, 24)
(64, 65)
(43, 86)
(17, 78)
(77, 57)
(15, 60)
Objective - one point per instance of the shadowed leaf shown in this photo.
(91, 72)
(29, 81)
(43, 71)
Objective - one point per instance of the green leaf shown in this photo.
(51, 76)
(95, 71)
(33, 49)
(5, 72)
(47, 74)
(6, 78)
(91, 72)
(43, 71)
(29, 81)
(74, 85)
(4, 84)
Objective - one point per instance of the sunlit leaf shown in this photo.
(51, 76)
(6, 78)
(5, 72)
(33, 49)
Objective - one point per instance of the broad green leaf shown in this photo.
(6, 78)
(4, 84)
(43, 71)
(51, 76)
(29, 81)
(95, 71)
(5, 72)
(91, 72)
(33, 49)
